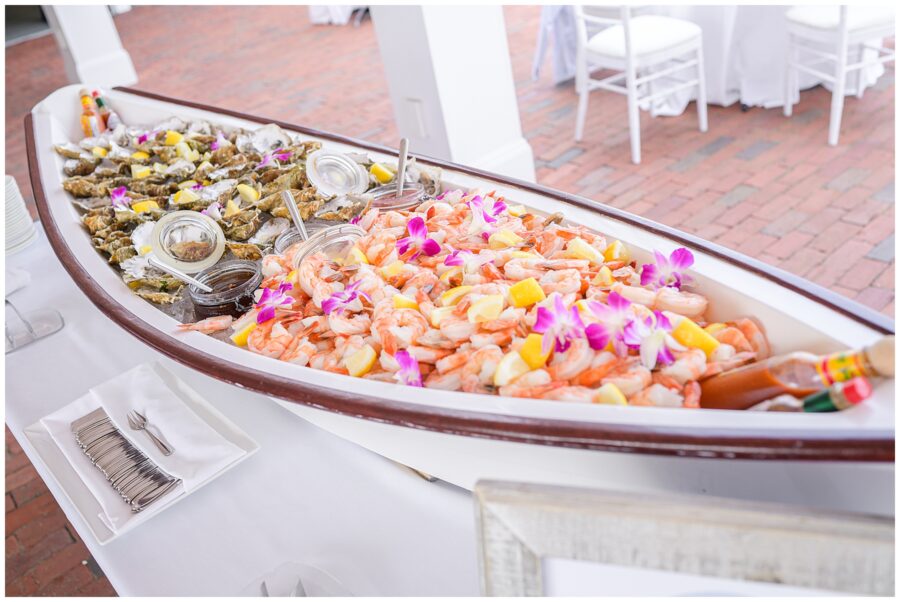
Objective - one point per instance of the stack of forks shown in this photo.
(132, 474)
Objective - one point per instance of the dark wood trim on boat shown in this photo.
(727, 444)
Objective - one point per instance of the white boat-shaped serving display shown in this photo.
(835, 460)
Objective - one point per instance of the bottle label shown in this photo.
(840, 367)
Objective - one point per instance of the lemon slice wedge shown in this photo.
(453, 296)
(485, 309)
(511, 367)
(361, 362)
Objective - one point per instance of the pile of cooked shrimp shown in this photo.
(468, 292)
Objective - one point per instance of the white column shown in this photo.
(451, 85)
(90, 45)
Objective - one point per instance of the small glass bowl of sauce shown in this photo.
(386, 197)
(334, 242)
(233, 282)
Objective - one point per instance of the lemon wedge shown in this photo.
(140, 155)
(381, 173)
(689, 334)
(239, 338)
(502, 239)
(356, 256)
(142, 206)
(714, 327)
(485, 309)
(439, 313)
(450, 274)
(511, 367)
(231, 209)
(139, 172)
(185, 195)
(187, 184)
(616, 252)
(610, 394)
(578, 248)
(393, 269)
(531, 351)
(517, 210)
(99, 151)
(248, 193)
(604, 277)
(404, 302)
(172, 138)
(453, 296)
(361, 362)
(526, 292)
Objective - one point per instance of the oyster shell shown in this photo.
(180, 168)
(80, 167)
(245, 251)
(242, 226)
(270, 231)
(162, 298)
(269, 138)
(71, 151)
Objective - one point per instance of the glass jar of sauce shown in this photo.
(386, 197)
(233, 282)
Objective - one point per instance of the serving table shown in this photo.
(308, 496)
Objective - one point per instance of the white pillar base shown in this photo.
(451, 85)
(90, 45)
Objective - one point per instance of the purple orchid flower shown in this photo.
(668, 271)
(408, 374)
(457, 256)
(558, 325)
(651, 336)
(219, 142)
(341, 300)
(278, 155)
(272, 298)
(613, 318)
(214, 210)
(418, 240)
(482, 220)
(147, 135)
(355, 219)
(197, 186)
(119, 198)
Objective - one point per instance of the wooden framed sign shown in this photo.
(538, 540)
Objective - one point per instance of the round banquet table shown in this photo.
(744, 51)
(306, 496)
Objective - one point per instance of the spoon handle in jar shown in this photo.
(288, 199)
(178, 274)
(401, 165)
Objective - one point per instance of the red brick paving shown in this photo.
(44, 554)
(757, 182)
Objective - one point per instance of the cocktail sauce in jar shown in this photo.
(233, 282)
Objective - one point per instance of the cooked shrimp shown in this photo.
(568, 364)
(571, 393)
(299, 351)
(397, 328)
(341, 323)
(209, 325)
(269, 339)
(532, 384)
(756, 336)
(657, 395)
(561, 281)
(601, 365)
(629, 376)
(686, 304)
(447, 381)
(427, 355)
(688, 365)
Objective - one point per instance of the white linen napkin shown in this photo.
(200, 451)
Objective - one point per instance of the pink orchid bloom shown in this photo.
(484, 214)
(214, 210)
(668, 271)
(612, 320)
(119, 198)
(270, 158)
(219, 142)
(409, 373)
(341, 300)
(651, 336)
(558, 325)
(271, 299)
(418, 240)
(147, 136)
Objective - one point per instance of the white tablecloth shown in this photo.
(306, 497)
(744, 50)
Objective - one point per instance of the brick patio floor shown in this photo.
(756, 182)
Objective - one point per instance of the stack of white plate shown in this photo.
(20, 230)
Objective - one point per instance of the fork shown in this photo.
(138, 422)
